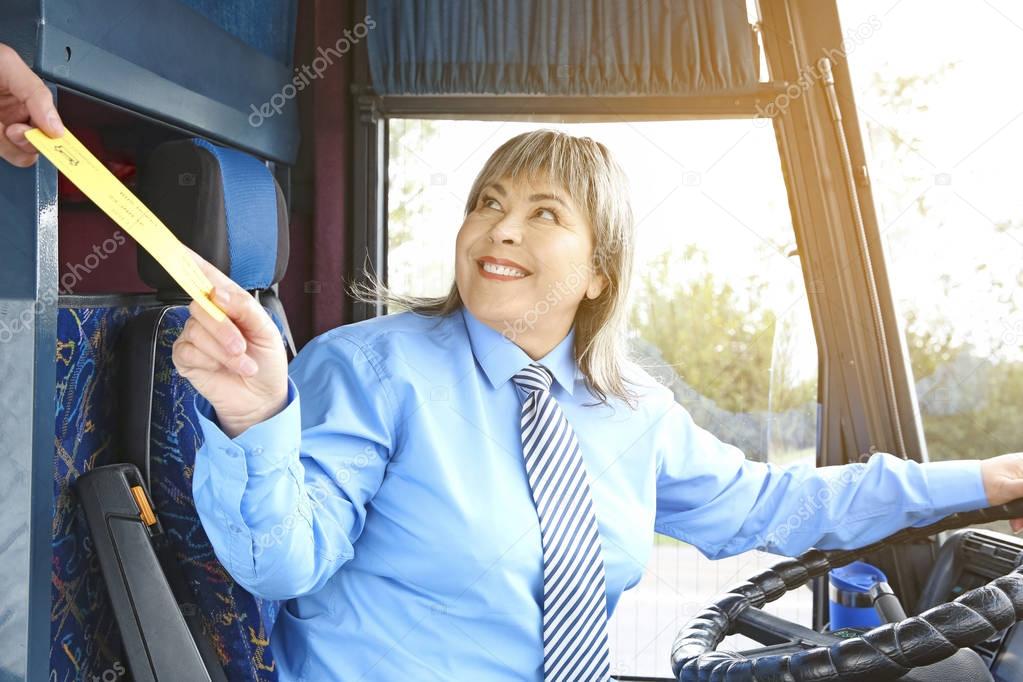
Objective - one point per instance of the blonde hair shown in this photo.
(587, 171)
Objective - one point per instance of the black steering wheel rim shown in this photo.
(886, 652)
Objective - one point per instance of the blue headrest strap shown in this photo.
(250, 205)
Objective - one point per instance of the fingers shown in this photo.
(244, 314)
(214, 353)
(224, 332)
(17, 79)
(213, 274)
(16, 134)
(32, 96)
(13, 154)
(248, 315)
(244, 311)
(187, 358)
(12, 110)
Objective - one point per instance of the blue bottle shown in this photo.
(850, 603)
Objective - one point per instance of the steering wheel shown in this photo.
(799, 654)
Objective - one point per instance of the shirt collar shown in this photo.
(501, 359)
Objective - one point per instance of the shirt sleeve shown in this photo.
(709, 495)
(284, 501)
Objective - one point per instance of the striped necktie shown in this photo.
(574, 595)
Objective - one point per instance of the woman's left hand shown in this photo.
(1003, 481)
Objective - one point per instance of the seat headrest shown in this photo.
(224, 204)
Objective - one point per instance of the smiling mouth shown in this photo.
(500, 271)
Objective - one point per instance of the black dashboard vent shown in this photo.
(988, 556)
(991, 555)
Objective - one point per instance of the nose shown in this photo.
(508, 230)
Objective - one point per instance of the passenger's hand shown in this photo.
(238, 364)
(1003, 481)
(25, 102)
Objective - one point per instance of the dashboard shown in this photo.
(972, 558)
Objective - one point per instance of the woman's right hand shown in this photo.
(238, 364)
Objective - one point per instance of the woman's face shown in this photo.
(524, 262)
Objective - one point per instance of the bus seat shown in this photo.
(163, 434)
(84, 639)
(227, 206)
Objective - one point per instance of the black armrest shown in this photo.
(158, 643)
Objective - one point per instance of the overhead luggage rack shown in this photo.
(167, 61)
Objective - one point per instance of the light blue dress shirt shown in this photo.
(388, 502)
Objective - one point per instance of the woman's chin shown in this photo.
(497, 314)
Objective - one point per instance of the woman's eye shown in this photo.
(547, 214)
(490, 202)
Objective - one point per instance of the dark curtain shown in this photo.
(561, 47)
(313, 287)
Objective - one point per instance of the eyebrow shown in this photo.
(533, 197)
(552, 197)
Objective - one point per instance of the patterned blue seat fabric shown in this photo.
(231, 211)
(238, 624)
(84, 641)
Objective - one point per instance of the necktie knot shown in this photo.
(535, 377)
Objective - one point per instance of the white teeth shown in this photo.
(495, 269)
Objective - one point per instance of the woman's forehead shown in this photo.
(536, 188)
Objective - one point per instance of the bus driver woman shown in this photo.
(464, 491)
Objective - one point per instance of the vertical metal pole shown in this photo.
(369, 253)
(28, 321)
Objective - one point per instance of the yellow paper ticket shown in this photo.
(88, 174)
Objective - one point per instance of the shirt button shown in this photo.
(234, 529)
(257, 450)
(229, 451)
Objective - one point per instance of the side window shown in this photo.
(942, 140)
(718, 312)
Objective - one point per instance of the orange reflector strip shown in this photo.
(145, 511)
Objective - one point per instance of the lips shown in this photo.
(501, 269)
